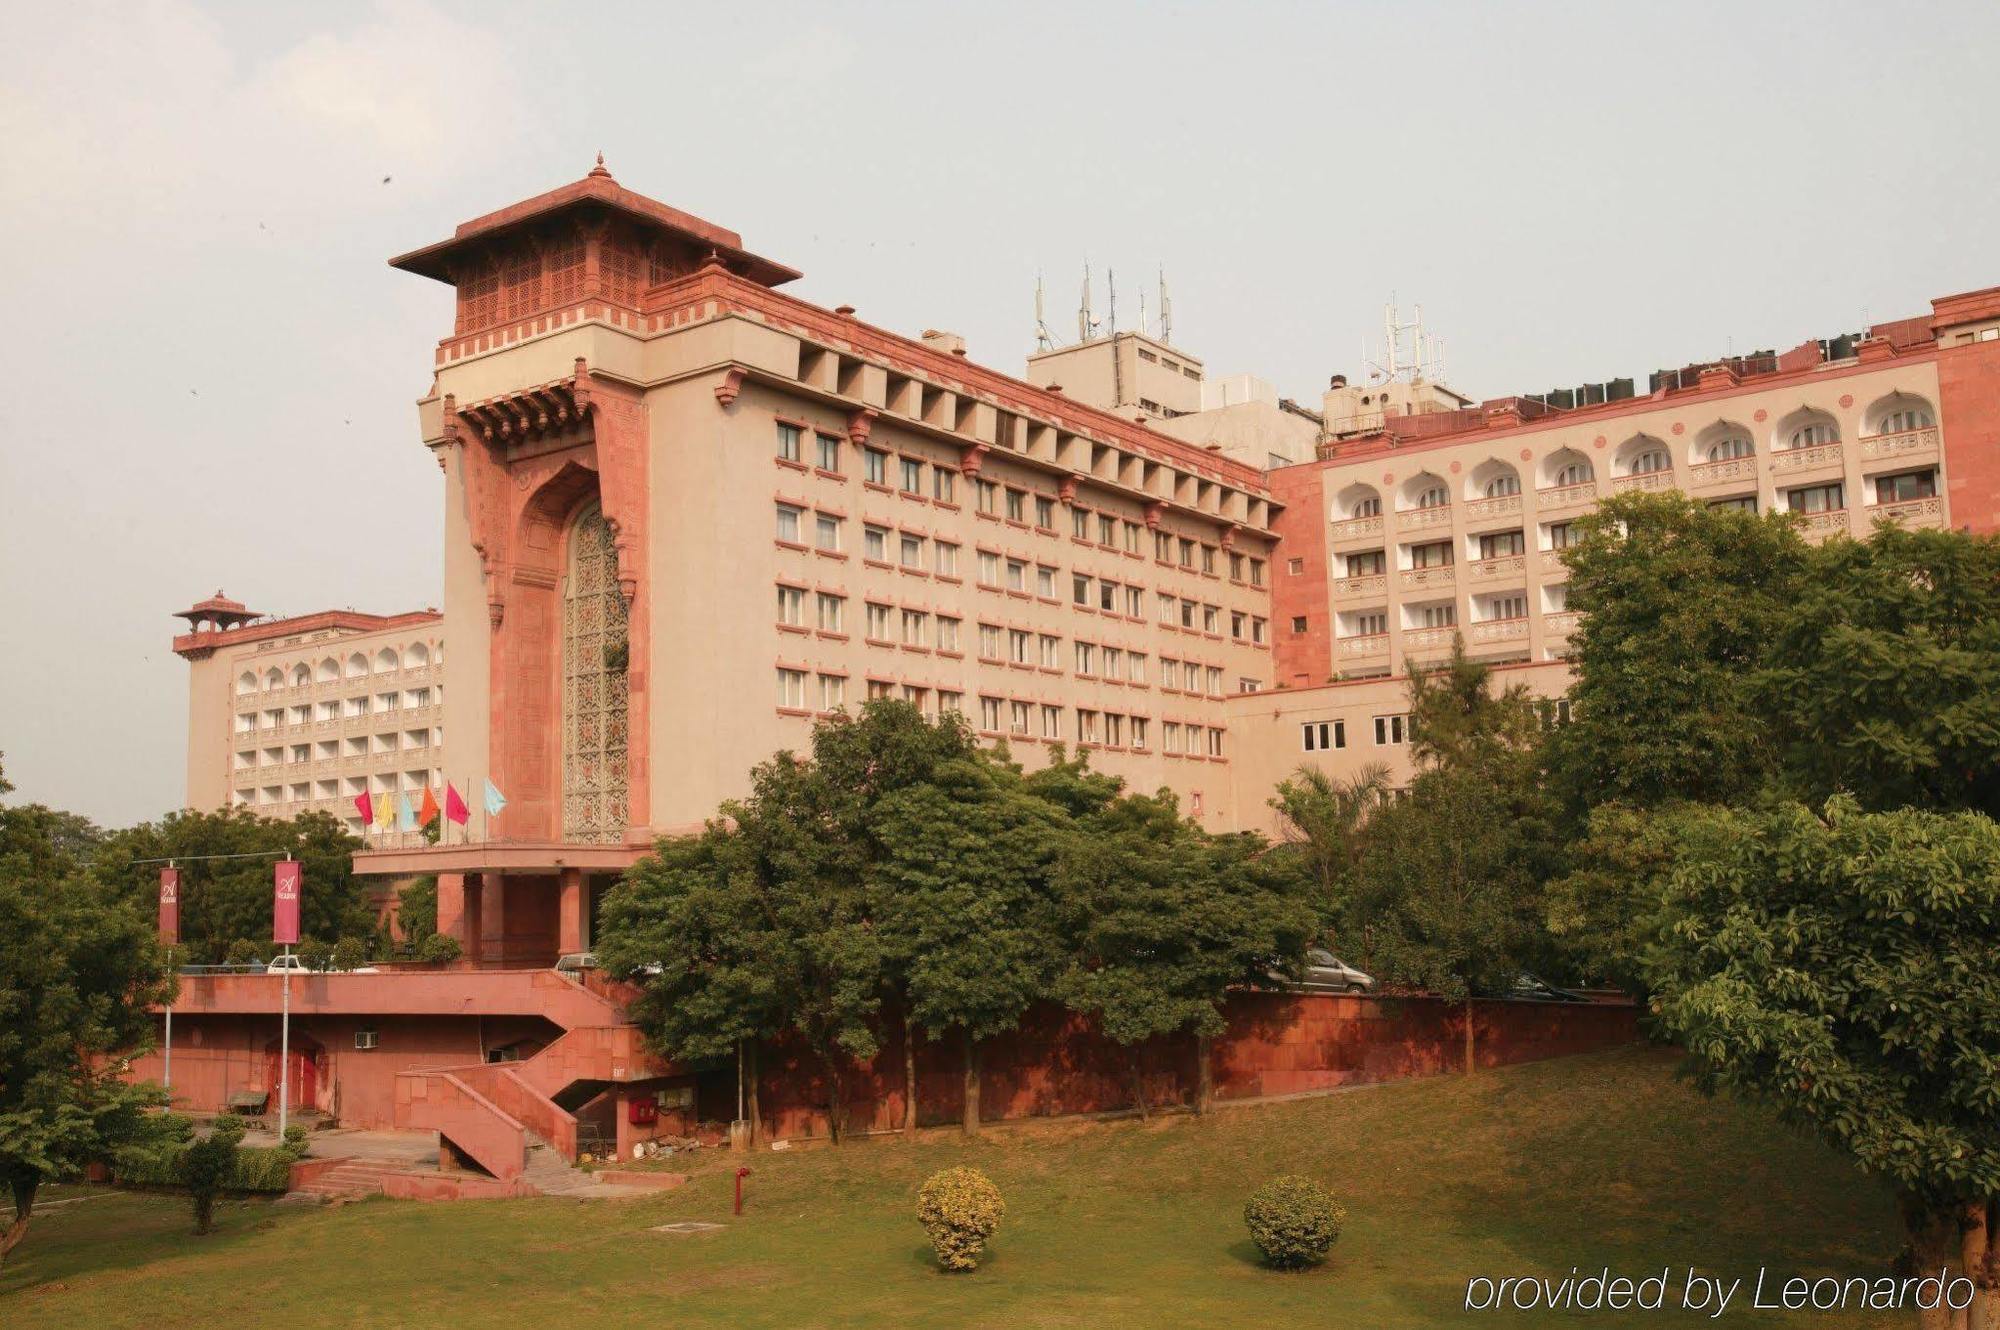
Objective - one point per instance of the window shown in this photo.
(1138, 731)
(878, 622)
(832, 612)
(916, 628)
(917, 697)
(788, 442)
(1256, 572)
(1114, 730)
(875, 544)
(1018, 716)
(1017, 645)
(826, 533)
(792, 689)
(1368, 563)
(1051, 722)
(1187, 613)
(1249, 686)
(1812, 435)
(1368, 507)
(1298, 623)
(944, 485)
(1135, 666)
(1388, 730)
(1507, 607)
(874, 466)
(947, 559)
(1235, 566)
(1086, 726)
(1051, 652)
(1909, 418)
(985, 495)
(1214, 741)
(1079, 589)
(1017, 501)
(1107, 597)
(1170, 737)
(989, 568)
(879, 689)
(1237, 619)
(1114, 663)
(1372, 624)
(1501, 544)
(912, 475)
(1107, 529)
(791, 606)
(1214, 674)
(1295, 567)
(1208, 558)
(1187, 552)
(1434, 496)
(1131, 537)
(829, 453)
(1436, 554)
(1562, 535)
(947, 633)
(1729, 447)
(1045, 581)
(1079, 523)
(1170, 673)
(1746, 503)
(1167, 610)
(1572, 473)
(1045, 513)
(788, 523)
(832, 692)
(989, 641)
(1501, 487)
(1906, 488)
(912, 548)
(1163, 547)
(1135, 602)
(1086, 658)
(989, 714)
(950, 704)
(1017, 575)
(1651, 462)
(1437, 616)
(1816, 499)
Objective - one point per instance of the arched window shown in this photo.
(301, 675)
(594, 691)
(387, 661)
(329, 670)
(1812, 434)
(357, 665)
(1502, 486)
(1572, 473)
(1730, 446)
(1907, 418)
(1433, 496)
(273, 678)
(1650, 461)
(416, 655)
(1368, 507)
(246, 682)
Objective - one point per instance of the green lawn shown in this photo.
(1524, 1171)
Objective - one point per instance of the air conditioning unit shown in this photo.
(366, 1039)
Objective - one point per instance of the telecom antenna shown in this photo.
(1111, 287)
(1145, 328)
(1084, 326)
(1044, 340)
(1166, 310)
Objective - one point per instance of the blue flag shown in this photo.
(406, 816)
(494, 800)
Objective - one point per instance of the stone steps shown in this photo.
(356, 1177)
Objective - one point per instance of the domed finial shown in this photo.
(599, 170)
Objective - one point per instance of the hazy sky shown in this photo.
(211, 371)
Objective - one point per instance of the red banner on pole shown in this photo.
(285, 904)
(170, 905)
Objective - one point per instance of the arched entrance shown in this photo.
(307, 1055)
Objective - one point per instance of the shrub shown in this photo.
(438, 948)
(241, 952)
(206, 1167)
(315, 953)
(959, 1208)
(295, 1139)
(349, 954)
(1293, 1221)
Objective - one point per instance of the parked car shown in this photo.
(575, 963)
(1324, 973)
(293, 964)
(1533, 988)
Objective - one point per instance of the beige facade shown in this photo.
(1127, 373)
(304, 714)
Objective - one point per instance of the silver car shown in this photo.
(1326, 973)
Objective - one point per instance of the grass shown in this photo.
(1587, 1161)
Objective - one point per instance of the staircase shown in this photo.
(549, 1174)
(353, 1178)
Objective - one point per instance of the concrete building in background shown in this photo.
(290, 715)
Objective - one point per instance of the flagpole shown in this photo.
(167, 1071)
(285, 1049)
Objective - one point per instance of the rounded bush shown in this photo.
(959, 1208)
(348, 954)
(439, 948)
(1293, 1221)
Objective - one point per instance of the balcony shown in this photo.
(1500, 630)
(1807, 459)
(1832, 521)
(1899, 445)
(1356, 528)
(1704, 474)
(1427, 639)
(1566, 496)
(1650, 480)
(1507, 566)
(1417, 578)
(1356, 648)
(1559, 623)
(1416, 519)
(1914, 512)
(1372, 584)
(1480, 510)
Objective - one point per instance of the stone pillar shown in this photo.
(451, 908)
(493, 919)
(470, 901)
(570, 906)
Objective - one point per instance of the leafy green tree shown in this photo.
(1321, 821)
(206, 1166)
(966, 905)
(1882, 677)
(225, 901)
(1841, 967)
(417, 911)
(78, 972)
(1599, 908)
(1161, 919)
(1677, 601)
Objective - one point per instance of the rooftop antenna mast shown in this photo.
(1111, 287)
(1044, 339)
(1166, 310)
(1086, 327)
(1409, 353)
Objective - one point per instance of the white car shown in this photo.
(1325, 973)
(297, 965)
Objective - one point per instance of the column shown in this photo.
(493, 919)
(571, 902)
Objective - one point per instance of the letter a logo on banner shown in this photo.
(170, 905)
(285, 904)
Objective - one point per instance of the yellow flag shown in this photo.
(385, 812)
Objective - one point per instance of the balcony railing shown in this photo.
(1504, 505)
(1444, 575)
(1356, 527)
(1729, 468)
(1914, 512)
(1500, 630)
(1566, 496)
(1824, 523)
(1560, 623)
(1488, 570)
(1896, 445)
(1428, 639)
(1415, 519)
(1649, 480)
(1804, 459)
(1370, 584)
(1368, 644)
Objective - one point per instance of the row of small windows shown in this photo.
(334, 750)
(1640, 456)
(1323, 736)
(299, 792)
(338, 708)
(388, 660)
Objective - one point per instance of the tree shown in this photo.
(1161, 919)
(1677, 602)
(1882, 677)
(225, 901)
(966, 905)
(1841, 968)
(417, 911)
(206, 1166)
(78, 973)
(1321, 820)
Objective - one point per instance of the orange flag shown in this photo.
(428, 813)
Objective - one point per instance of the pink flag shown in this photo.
(454, 807)
(170, 905)
(366, 807)
(285, 903)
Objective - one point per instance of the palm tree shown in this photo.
(1321, 819)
